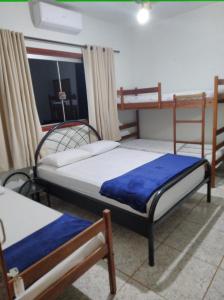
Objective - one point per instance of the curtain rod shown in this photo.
(58, 43)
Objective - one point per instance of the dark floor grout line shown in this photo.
(213, 277)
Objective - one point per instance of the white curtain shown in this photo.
(101, 91)
(19, 122)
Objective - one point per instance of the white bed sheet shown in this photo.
(88, 175)
(153, 97)
(21, 217)
(159, 146)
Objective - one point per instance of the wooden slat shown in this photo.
(189, 121)
(58, 287)
(4, 288)
(189, 142)
(219, 131)
(138, 91)
(110, 255)
(169, 104)
(220, 81)
(128, 136)
(219, 146)
(128, 125)
(221, 158)
(40, 268)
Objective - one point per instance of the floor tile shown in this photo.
(216, 290)
(165, 228)
(135, 291)
(94, 284)
(176, 275)
(130, 249)
(198, 241)
(219, 200)
(205, 213)
(222, 264)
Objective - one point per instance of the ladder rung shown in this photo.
(221, 158)
(221, 82)
(189, 142)
(220, 145)
(220, 130)
(189, 121)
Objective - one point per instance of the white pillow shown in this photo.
(100, 147)
(64, 158)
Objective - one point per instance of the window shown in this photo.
(59, 85)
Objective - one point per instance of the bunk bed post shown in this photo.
(110, 256)
(137, 124)
(159, 95)
(174, 124)
(4, 288)
(203, 125)
(215, 124)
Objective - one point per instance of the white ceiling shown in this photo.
(125, 12)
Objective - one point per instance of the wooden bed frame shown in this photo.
(36, 271)
(137, 223)
(190, 101)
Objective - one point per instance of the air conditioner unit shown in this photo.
(56, 18)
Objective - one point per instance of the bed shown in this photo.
(49, 276)
(85, 178)
(161, 146)
(165, 97)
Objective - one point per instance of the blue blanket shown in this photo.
(137, 186)
(40, 243)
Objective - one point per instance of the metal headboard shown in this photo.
(66, 135)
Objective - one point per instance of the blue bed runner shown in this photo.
(137, 186)
(40, 243)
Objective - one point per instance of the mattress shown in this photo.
(153, 97)
(159, 146)
(21, 217)
(88, 175)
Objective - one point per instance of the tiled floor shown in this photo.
(189, 256)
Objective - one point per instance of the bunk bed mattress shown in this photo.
(153, 97)
(159, 146)
(21, 217)
(87, 176)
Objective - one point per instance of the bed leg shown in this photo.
(4, 287)
(151, 245)
(110, 256)
(209, 191)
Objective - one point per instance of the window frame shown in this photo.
(60, 54)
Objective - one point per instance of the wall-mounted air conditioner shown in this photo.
(56, 18)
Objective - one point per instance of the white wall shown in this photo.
(17, 17)
(184, 53)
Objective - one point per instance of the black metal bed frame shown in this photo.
(137, 223)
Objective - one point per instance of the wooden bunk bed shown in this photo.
(169, 101)
(53, 273)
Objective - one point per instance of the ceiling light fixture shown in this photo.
(143, 14)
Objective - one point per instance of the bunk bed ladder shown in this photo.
(216, 131)
(202, 103)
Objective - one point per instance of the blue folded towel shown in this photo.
(40, 243)
(137, 186)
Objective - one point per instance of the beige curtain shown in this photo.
(19, 122)
(101, 91)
